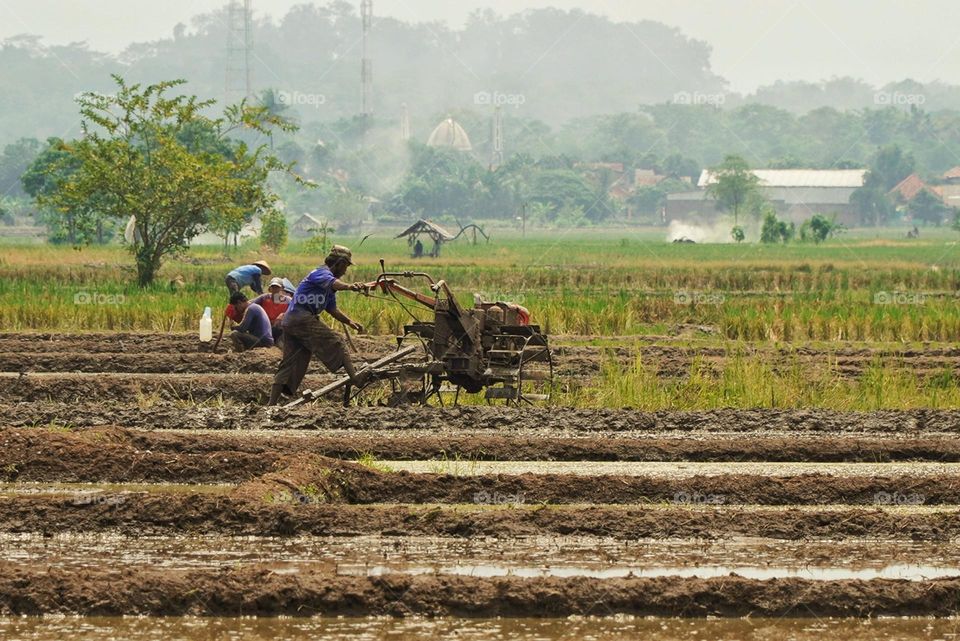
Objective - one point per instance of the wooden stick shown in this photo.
(223, 324)
(349, 340)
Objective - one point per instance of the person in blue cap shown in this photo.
(248, 276)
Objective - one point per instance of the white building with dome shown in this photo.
(451, 135)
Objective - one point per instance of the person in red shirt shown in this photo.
(233, 313)
(274, 303)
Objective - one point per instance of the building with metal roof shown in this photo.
(842, 178)
(796, 194)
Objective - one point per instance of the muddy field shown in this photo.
(671, 357)
(140, 475)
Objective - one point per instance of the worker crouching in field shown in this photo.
(254, 329)
(248, 276)
(305, 335)
(275, 303)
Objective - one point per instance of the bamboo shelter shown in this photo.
(433, 231)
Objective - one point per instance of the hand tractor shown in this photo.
(490, 348)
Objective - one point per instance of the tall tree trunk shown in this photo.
(147, 267)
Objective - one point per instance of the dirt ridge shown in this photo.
(139, 514)
(255, 591)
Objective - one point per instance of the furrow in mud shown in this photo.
(112, 453)
(254, 591)
(161, 403)
(305, 476)
(182, 353)
(135, 514)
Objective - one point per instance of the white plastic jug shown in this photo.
(206, 327)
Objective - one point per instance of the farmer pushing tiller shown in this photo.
(491, 347)
(306, 336)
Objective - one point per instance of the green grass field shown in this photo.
(867, 288)
(857, 288)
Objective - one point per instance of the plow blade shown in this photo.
(310, 395)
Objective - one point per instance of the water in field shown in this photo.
(899, 571)
(107, 492)
(671, 469)
(416, 629)
(536, 556)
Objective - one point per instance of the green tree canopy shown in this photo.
(158, 157)
(928, 208)
(734, 184)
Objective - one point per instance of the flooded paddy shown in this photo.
(139, 482)
(415, 629)
(493, 556)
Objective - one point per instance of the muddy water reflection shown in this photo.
(898, 571)
(414, 629)
(533, 556)
(672, 469)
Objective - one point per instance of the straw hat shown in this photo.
(264, 267)
(341, 253)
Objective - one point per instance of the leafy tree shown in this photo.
(872, 205)
(133, 159)
(648, 199)
(774, 230)
(889, 166)
(770, 231)
(734, 184)
(441, 182)
(928, 208)
(822, 228)
(571, 216)
(818, 229)
(81, 223)
(15, 160)
(564, 189)
(678, 166)
(738, 234)
(273, 230)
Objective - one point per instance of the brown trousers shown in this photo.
(242, 341)
(306, 336)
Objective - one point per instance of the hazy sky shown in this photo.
(754, 41)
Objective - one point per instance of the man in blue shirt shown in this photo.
(254, 329)
(248, 276)
(305, 335)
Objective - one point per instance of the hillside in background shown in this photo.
(548, 65)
